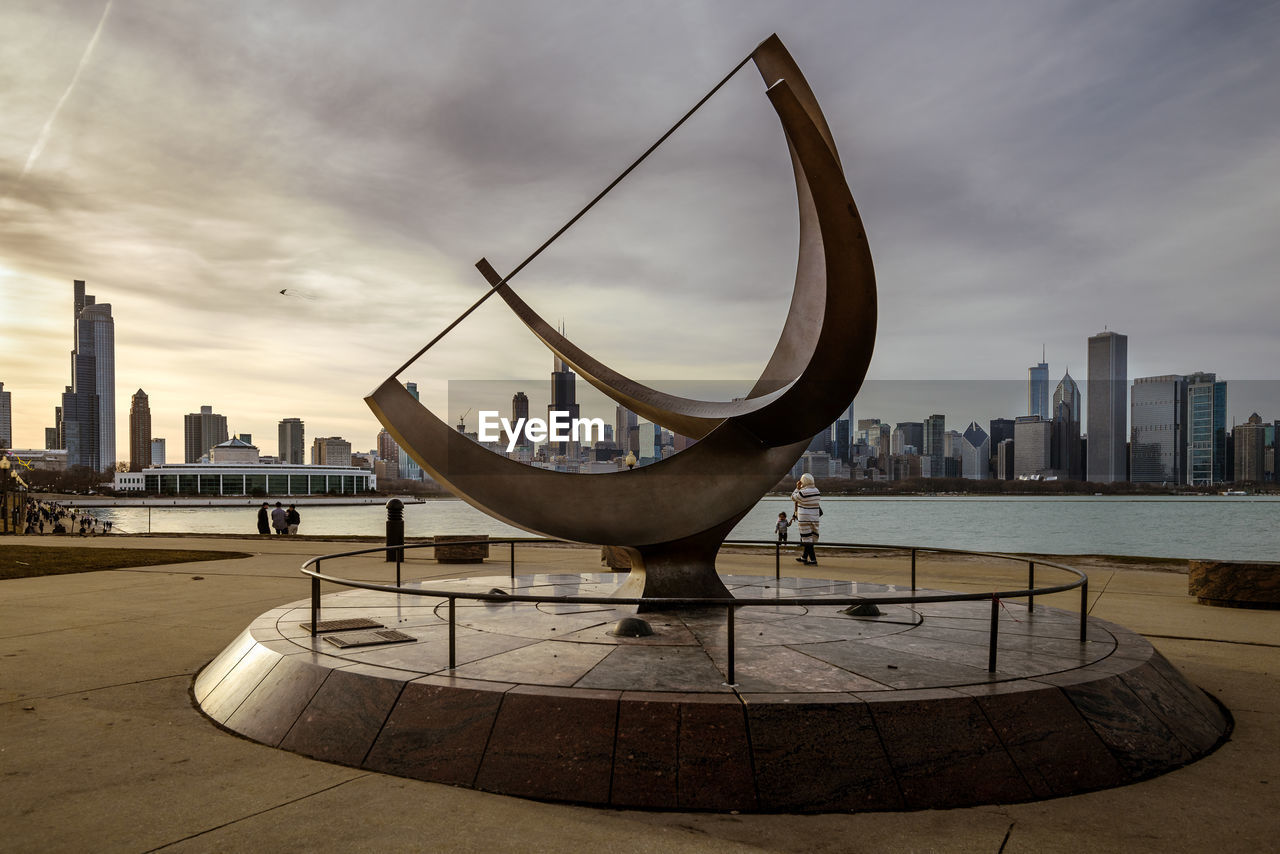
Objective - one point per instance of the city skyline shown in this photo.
(1047, 172)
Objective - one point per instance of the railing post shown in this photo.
(913, 570)
(732, 680)
(777, 561)
(315, 600)
(513, 566)
(395, 533)
(1084, 610)
(453, 648)
(995, 622)
(1031, 585)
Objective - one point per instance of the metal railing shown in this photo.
(312, 566)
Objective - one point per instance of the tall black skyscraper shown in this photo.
(935, 428)
(1001, 429)
(564, 398)
(519, 411)
(843, 443)
(88, 425)
(1066, 429)
(1108, 411)
(912, 434)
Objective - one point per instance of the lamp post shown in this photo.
(6, 523)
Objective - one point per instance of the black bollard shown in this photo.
(395, 530)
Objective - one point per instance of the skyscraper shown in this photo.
(951, 441)
(934, 447)
(389, 451)
(1158, 436)
(104, 345)
(1032, 446)
(1004, 460)
(842, 441)
(821, 442)
(6, 418)
(625, 426)
(519, 410)
(330, 451)
(1206, 422)
(53, 436)
(1066, 429)
(649, 448)
(912, 434)
(1108, 413)
(1000, 429)
(88, 425)
(975, 453)
(139, 431)
(157, 452)
(1038, 389)
(409, 468)
(1272, 451)
(201, 431)
(564, 398)
(292, 441)
(1250, 446)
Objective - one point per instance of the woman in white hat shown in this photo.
(807, 510)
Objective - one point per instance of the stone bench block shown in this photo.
(472, 553)
(1235, 583)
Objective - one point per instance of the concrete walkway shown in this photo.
(101, 749)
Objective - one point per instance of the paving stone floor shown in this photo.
(101, 748)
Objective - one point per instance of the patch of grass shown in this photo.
(23, 561)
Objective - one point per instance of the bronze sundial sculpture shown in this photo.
(673, 515)
(552, 705)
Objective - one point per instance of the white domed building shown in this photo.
(235, 467)
(235, 451)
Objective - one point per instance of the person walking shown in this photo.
(807, 510)
(264, 522)
(280, 519)
(293, 518)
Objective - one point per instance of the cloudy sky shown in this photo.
(1029, 173)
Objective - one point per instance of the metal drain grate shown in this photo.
(369, 638)
(342, 625)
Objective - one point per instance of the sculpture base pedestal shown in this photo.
(827, 712)
(664, 574)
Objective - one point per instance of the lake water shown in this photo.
(1221, 527)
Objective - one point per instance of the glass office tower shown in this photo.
(1158, 437)
(1206, 429)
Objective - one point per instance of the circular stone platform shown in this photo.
(829, 712)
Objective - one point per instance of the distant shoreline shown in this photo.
(364, 501)
(221, 501)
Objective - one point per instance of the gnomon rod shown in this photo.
(575, 217)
